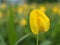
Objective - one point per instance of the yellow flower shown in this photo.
(20, 9)
(42, 8)
(26, 12)
(33, 6)
(55, 9)
(39, 22)
(25, 6)
(23, 22)
(1, 14)
(59, 11)
(3, 6)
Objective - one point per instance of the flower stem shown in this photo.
(37, 40)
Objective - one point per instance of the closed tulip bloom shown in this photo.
(39, 22)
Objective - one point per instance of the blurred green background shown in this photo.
(14, 22)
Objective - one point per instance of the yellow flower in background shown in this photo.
(20, 9)
(1, 14)
(26, 13)
(3, 6)
(25, 6)
(59, 11)
(33, 6)
(55, 9)
(42, 8)
(23, 22)
(39, 22)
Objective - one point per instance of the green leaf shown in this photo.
(46, 42)
(2, 40)
(11, 31)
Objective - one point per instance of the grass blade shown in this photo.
(12, 32)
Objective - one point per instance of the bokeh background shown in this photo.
(21, 10)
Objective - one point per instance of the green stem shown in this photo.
(22, 38)
(37, 40)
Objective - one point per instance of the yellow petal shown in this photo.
(44, 19)
(43, 15)
(43, 25)
(33, 22)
